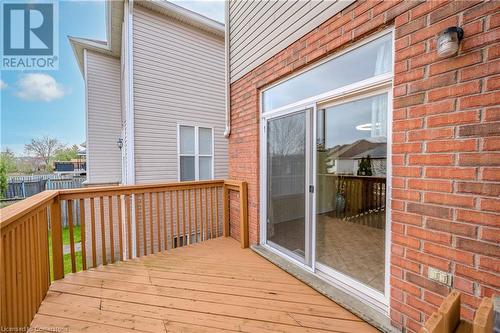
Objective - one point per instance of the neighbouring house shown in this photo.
(77, 166)
(311, 80)
(155, 95)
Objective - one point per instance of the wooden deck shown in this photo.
(214, 286)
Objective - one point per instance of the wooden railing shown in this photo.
(447, 318)
(116, 223)
(361, 199)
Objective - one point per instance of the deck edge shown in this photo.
(350, 303)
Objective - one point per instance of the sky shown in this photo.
(52, 103)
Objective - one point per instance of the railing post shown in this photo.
(244, 215)
(57, 246)
(225, 210)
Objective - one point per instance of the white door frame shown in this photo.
(372, 86)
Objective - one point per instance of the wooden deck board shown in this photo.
(214, 286)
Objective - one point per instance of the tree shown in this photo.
(365, 166)
(3, 179)
(66, 153)
(9, 160)
(43, 148)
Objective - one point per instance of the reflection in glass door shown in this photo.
(286, 183)
(351, 168)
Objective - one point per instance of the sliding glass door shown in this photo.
(287, 158)
(325, 162)
(351, 159)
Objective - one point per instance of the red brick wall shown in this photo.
(446, 142)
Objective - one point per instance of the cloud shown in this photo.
(3, 85)
(39, 87)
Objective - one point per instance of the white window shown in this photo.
(195, 153)
(369, 60)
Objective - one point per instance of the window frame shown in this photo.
(196, 154)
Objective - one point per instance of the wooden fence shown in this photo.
(26, 188)
(121, 222)
(31, 178)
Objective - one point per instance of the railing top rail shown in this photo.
(15, 211)
(125, 189)
(21, 208)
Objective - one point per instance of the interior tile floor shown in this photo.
(348, 246)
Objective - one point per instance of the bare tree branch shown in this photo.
(43, 148)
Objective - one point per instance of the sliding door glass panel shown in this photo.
(286, 175)
(351, 148)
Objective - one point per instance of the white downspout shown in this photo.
(130, 94)
(128, 16)
(227, 131)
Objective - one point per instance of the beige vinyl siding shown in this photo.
(260, 29)
(178, 78)
(103, 118)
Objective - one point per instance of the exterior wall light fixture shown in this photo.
(119, 143)
(449, 41)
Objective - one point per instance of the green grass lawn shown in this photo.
(67, 257)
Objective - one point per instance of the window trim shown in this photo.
(196, 154)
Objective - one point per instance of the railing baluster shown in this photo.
(43, 230)
(24, 270)
(212, 222)
(225, 211)
(82, 232)
(143, 214)
(189, 218)
(171, 219)
(195, 195)
(158, 219)
(3, 291)
(18, 276)
(206, 215)
(93, 232)
(217, 209)
(103, 231)
(111, 227)
(151, 226)
(39, 266)
(202, 219)
(31, 289)
(57, 246)
(11, 283)
(164, 210)
(128, 212)
(184, 217)
(69, 203)
(120, 225)
(178, 219)
(137, 238)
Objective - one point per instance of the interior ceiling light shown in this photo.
(364, 127)
(367, 127)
